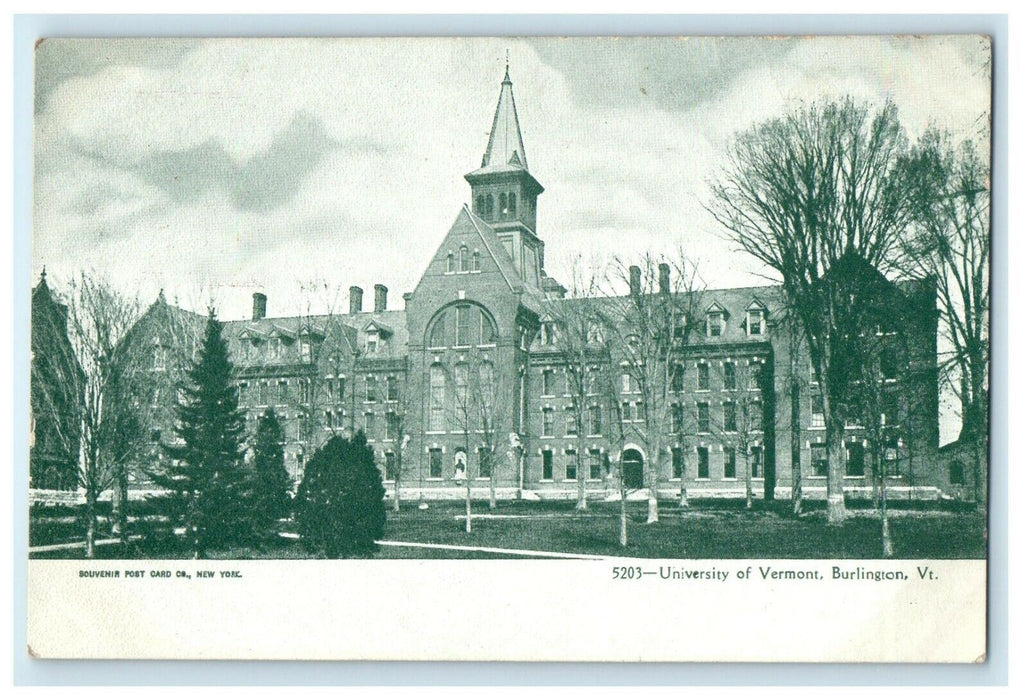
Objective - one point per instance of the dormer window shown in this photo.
(372, 343)
(715, 324)
(547, 333)
(755, 319)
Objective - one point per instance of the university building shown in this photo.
(467, 380)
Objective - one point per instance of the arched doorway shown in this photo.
(632, 468)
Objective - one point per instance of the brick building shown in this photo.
(466, 382)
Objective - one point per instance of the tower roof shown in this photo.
(505, 150)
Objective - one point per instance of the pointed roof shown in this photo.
(505, 150)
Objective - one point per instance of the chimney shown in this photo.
(356, 295)
(634, 280)
(380, 297)
(663, 278)
(260, 306)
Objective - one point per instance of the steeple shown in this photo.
(505, 145)
(503, 190)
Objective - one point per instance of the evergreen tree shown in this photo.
(272, 483)
(340, 508)
(207, 477)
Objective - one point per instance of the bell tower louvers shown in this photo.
(504, 192)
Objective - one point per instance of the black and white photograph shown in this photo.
(691, 311)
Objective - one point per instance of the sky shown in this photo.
(215, 168)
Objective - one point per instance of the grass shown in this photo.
(716, 530)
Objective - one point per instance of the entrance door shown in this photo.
(632, 469)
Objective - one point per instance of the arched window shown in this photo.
(511, 205)
(478, 205)
(438, 335)
(450, 262)
(475, 261)
(487, 330)
(464, 258)
(502, 208)
(437, 398)
(488, 211)
(461, 390)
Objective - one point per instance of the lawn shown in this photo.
(716, 530)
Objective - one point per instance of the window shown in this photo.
(475, 261)
(891, 457)
(888, 363)
(629, 384)
(596, 464)
(548, 465)
(392, 467)
(956, 472)
(435, 463)
(729, 469)
(450, 263)
(891, 411)
(548, 422)
(502, 204)
(571, 428)
(817, 412)
(438, 337)
(570, 467)
(328, 419)
(703, 376)
(437, 398)
(715, 324)
(461, 389)
(730, 376)
(488, 211)
(478, 205)
(757, 459)
(677, 463)
(677, 419)
(754, 375)
(549, 382)
(596, 420)
(594, 333)
(512, 204)
(464, 328)
(392, 426)
(369, 387)
(464, 258)
(729, 420)
(703, 418)
(677, 374)
(392, 389)
(547, 333)
(264, 397)
(755, 322)
(283, 394)
(484, 458)
(819, 459)
(855, 459)
(304, 390)
(341, 389)
(703, 464)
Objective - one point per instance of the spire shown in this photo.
(505, 146)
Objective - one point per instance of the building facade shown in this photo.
(470, 381)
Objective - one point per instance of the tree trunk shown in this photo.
(90, 524)
(623, 516)
(796, 475)
(396, 490)
(652, 467)
(492, 486)
(887, 540)
(119, 507)
(836, 509)
(467, 501)
(580, 503)
(747, 485)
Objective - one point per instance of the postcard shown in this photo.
(563, 349)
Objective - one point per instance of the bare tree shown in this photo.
(572, 331)
(741, 432)
(609, 386)
(950, 241)
(799, 193)
(646, 331)
(113, 433)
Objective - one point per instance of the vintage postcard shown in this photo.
(585, 349)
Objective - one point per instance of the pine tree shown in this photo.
(340, 508)
(207, 477)
(272, 483)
